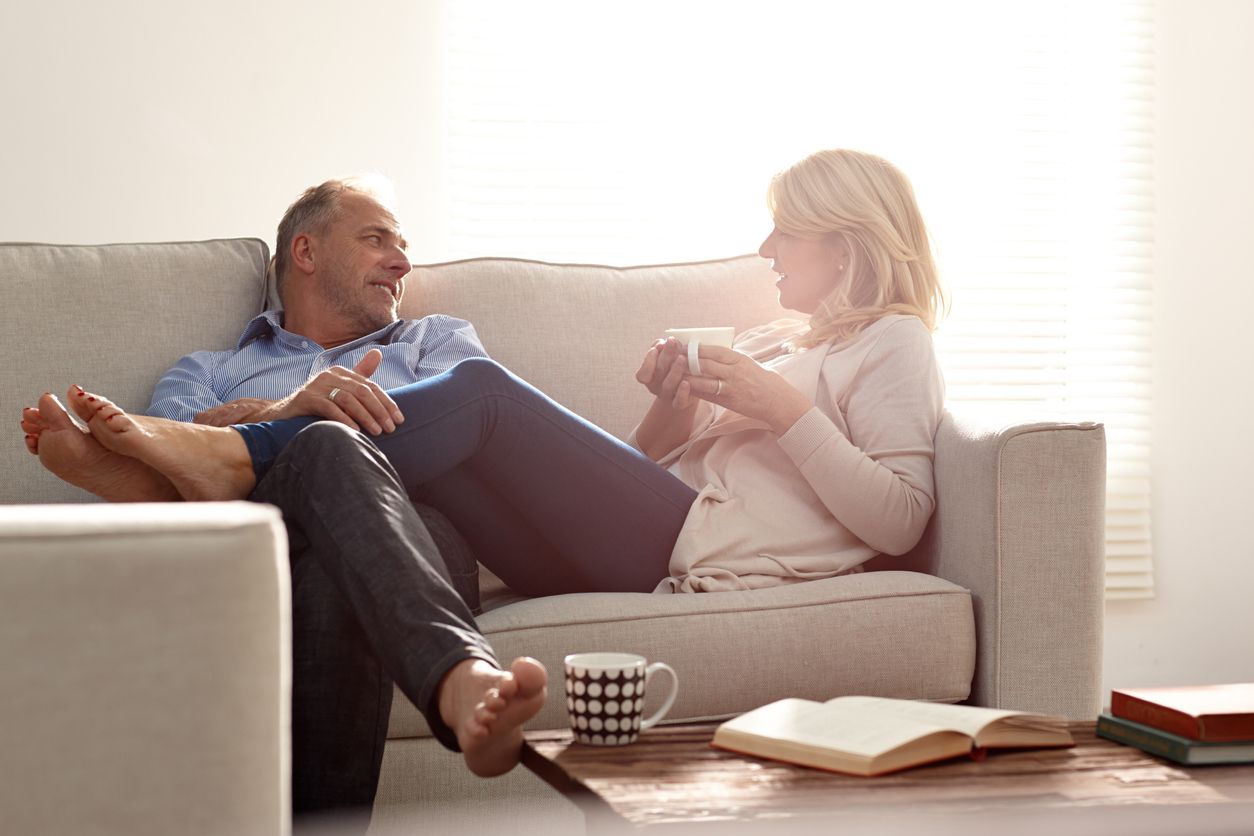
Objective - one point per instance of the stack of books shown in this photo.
(1192, 725)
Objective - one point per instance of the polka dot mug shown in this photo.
(605, 696)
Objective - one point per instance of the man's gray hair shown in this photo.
(314, 212)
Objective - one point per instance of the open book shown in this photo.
(874, 735)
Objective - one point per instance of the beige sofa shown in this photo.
(144, 647)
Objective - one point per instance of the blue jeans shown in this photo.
(548, 501)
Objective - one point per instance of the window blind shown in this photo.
(647, 133)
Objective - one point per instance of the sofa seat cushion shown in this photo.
(896, 634)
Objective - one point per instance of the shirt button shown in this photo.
(304, 344)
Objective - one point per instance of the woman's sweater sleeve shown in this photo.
(877, 481)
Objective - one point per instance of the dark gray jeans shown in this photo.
(372, 603)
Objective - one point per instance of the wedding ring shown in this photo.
(718, 388)
(333, 394)
(694, 362)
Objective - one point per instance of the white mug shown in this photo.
(605, 696)
(721, 335)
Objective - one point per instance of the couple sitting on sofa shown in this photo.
(798, 455)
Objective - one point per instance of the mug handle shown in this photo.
(694, 367)
(670, 698)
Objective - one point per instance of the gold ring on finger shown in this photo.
(333, 394)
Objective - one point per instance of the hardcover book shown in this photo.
(1173, 746)
(1213, 713)
(874, 735)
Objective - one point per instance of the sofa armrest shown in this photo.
(1020, 522)
(145, 655)
(1025, 532)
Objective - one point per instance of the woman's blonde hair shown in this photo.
(866, 203)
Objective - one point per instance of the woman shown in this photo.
(798, 454)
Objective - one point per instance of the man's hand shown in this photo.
(358, 401)
(239, 411)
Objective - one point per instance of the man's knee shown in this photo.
(328, 438)
(330, 451)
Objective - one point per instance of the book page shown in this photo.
(989, 727)
(1199, 700)
(968, 719)
(849, 728)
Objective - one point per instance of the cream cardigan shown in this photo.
(851, 479)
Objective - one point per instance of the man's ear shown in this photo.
(303, 254)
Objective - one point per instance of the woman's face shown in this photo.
(808, 269)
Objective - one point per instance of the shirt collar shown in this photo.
(270, 323)
(263, 324)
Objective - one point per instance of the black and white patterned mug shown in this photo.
(605, 696)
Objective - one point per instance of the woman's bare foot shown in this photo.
(79, 458)
(486, 708)
(203, 463)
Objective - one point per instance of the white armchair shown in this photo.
(145, 657)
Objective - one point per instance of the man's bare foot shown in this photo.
(203, 463)
(79, 459)
(486, 708)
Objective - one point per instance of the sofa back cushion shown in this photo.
(115, 317)
(111, 317)
(579, 332)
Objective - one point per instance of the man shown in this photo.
(372, 600)
(340, 265)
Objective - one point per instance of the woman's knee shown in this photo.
(482, 373)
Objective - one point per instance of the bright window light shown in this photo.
(647, 132)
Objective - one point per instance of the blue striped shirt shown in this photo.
(271, 363)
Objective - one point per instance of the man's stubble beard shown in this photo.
(348, 299)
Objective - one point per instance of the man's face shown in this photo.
(361, 265)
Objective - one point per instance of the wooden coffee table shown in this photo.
(671, 775)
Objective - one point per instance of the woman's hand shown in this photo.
(739, 383)
(664, 371)
(669, 420)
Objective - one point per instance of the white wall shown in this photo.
(132, 120)
(1200, 627)
(166, 120)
